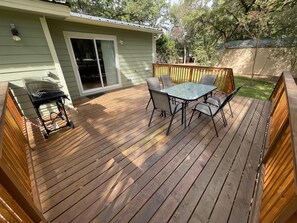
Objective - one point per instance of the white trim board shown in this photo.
(54, 55)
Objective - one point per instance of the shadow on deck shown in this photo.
(113, 168)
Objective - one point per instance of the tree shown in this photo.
(166, 49)
(178, 31)
(284, 25)
(144, 12)
(201, 39)
(254, 26)
(147, 12)
(226, 20)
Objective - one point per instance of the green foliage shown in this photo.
(259, 89)
(166, 49)
(146, 12)
(205, 26)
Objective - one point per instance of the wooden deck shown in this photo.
(113, 168)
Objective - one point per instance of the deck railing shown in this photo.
(16, 203)
(279, 197)
(185, 73)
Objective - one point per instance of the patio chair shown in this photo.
(208, 79)
(166, 81)
(153, 84)
(161, 101)
(212, 111)
(214, 100)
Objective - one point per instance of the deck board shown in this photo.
(228, 192)
(245, 191)
(113, 168)
(208, 185)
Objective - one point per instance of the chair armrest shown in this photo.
(214, 101)
(204, 105)
(219, 93)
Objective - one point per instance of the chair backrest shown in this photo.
(235, 91)
(166, 81)
(153, 83)
(161, 100)
(208, 79)
(230, 96)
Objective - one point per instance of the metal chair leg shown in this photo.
(191, 117)
(224, 118)
(170, 124)
(230, 109)
(151, 118)
(148, 103)
(214, 124)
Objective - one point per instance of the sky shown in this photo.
(174, 1)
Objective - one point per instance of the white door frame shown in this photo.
(91, 36)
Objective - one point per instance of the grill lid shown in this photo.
(41, 89)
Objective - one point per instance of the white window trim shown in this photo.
(68, 36)
(154, 53)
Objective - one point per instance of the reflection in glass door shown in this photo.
(96, 63)
(108, 68)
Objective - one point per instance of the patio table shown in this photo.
(188, 91)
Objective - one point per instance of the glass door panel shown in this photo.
(107, 60)
(87, 63)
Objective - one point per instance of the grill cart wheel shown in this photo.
(71, 124)
(45, 134)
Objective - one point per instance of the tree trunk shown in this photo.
(293, 59)
(185, 53)
(254, 59)
(221, 55)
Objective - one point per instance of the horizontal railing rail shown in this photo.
(190, 73)
(279, 198)
(16, 201)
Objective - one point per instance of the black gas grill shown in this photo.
(45, 92)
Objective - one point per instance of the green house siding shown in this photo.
(31, 57)
(135, 54)
(27, 58)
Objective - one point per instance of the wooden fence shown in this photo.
(187, 73)
(279, 198)
(16, 203)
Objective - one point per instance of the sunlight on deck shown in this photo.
(113, 168)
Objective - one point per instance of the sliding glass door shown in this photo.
(95, 60)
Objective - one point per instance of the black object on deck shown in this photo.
(43, 92)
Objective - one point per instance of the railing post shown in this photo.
(191, 74)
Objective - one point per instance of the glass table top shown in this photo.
(189, 91)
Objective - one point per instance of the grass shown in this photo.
(259, 89)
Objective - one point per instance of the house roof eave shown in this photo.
(99, 21)
(44, 8)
